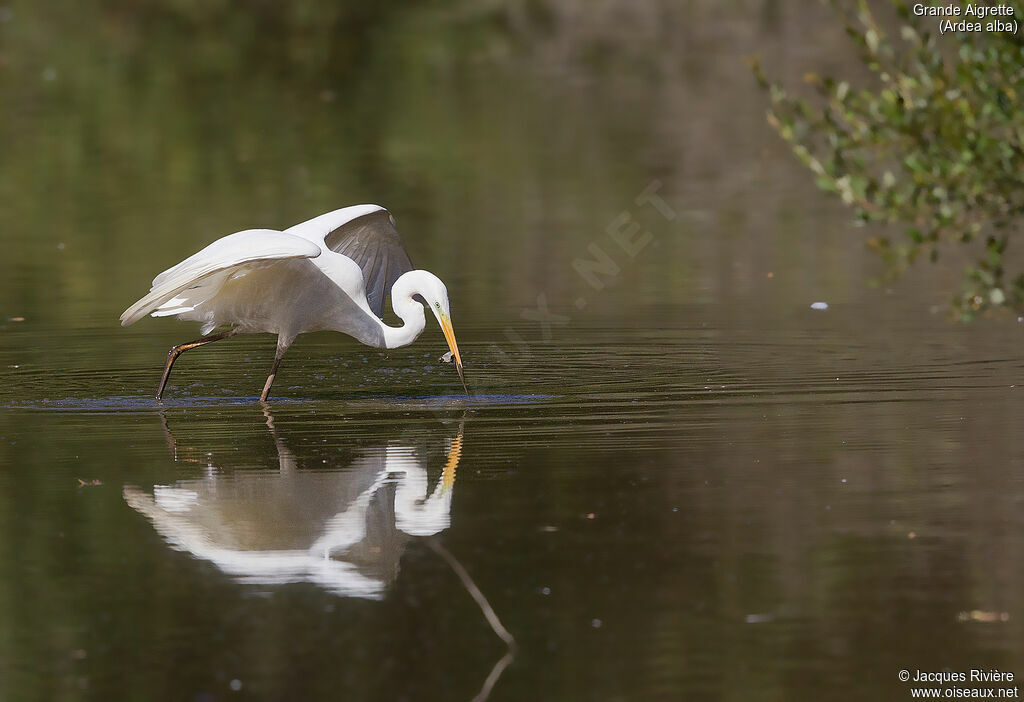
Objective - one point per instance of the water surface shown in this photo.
(650, 512)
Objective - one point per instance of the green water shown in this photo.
(675, 480)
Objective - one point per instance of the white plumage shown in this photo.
(331, 272)
(199, 277)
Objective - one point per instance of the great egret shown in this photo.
(329, 273)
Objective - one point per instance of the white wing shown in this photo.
(317, 228)
(248, 248)
(367, 235)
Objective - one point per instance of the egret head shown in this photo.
(431, 292)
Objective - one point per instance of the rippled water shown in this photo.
(789, 507)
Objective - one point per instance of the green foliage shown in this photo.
(934, 144)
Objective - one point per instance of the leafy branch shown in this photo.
(936, 143)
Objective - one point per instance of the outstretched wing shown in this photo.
(252, 247)
(373, 242)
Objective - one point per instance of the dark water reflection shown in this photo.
(774, 507)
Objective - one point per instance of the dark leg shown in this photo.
(173, 354)
(282, 346)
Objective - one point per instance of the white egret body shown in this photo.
(329, 273)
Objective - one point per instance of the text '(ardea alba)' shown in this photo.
(329, 273)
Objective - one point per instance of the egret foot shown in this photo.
(173, 354)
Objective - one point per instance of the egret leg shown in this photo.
(173, 354)
(282, 346)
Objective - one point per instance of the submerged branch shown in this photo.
(474, 592)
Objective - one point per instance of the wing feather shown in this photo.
(241, 249)
(373, 242)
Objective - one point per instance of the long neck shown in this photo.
(410, 312)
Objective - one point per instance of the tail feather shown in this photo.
(151, 302)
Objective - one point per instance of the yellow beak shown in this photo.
(449, 336)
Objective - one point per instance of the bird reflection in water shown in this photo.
(343, 530)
